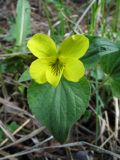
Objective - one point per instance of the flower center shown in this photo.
(56, 66)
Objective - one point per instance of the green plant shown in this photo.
(20, 25)
(59, 107)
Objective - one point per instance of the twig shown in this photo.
(11, 105)
(4, 153)
(4, 56)
(117, 115)
(34, 133)
(98, 149)
(16, 131)
(106, 124)
(41, 143)
(107, 140)
(83, 15)
(7, 132)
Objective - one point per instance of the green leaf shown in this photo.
(11, 127)
(22, 21)
(59, 108)
(11, 34)
(2, 67)
(25, 76)
(111, 66)
(115, 86)
(2, 136)
(20, 25)
(98, 48)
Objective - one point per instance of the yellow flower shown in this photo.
(54, 62)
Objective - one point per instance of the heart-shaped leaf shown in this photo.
(58, 108)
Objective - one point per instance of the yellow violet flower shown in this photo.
(54, 62)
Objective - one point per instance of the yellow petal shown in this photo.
(42, 46)
(75, 46)
(74, 70)
(52, 77)
(38, 70)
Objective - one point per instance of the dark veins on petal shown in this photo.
(56, 67)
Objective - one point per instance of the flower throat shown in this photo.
(56, 66)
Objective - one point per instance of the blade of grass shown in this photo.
(116, 16)
(22, 21)
(93, 17)
(47, 14)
